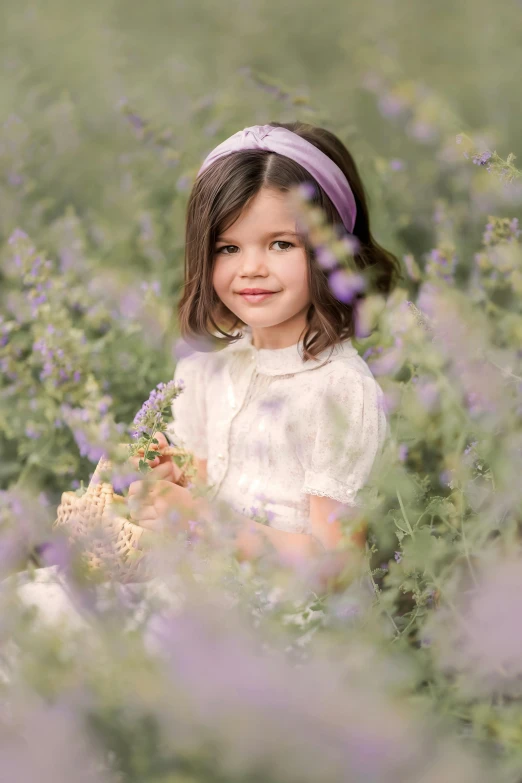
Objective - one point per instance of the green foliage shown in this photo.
(109, 110)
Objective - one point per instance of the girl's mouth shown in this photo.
(254, 298)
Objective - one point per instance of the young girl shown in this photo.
(285, 422)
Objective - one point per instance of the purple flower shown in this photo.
(482, 159)
(92, 451)
(422, 131)
(183, 348)
(135, 121)
(121, 481)
(130, 303)
(391, 105)
(389, 362)
(307, 190)
(149, 415)
(390, 401)
(372, 82)
(15, 179)
(396, 164)
(351, 243)
(56, 552)
(103, 405)
(16, 235)
(325, 257)
(183, 183)
(482, 640)
(445, 477)
(411, 266)
(428, 394)
(345, 285)
(403, 452)
(441, 264)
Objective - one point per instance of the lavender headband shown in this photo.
(284, 142)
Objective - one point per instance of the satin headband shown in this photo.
(284, 142)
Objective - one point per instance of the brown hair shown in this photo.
(217, 199)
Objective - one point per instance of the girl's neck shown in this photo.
(280, 336)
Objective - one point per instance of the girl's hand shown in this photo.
(162, 467)
(150, 505)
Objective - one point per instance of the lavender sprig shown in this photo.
(149, 419)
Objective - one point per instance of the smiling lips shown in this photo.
(256, 291)
(254, 295)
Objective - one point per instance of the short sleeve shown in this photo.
(189, 428)
(350, 429)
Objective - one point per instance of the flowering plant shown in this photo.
(150, 419)
(219, 670)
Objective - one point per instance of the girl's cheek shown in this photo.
(222, 282)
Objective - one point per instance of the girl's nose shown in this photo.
(254, 261)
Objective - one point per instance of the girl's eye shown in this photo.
(225, 247)
(277, 242)
(281, 242)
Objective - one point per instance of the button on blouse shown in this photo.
(275, 429)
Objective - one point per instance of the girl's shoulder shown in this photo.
(347, 376)
(196, 362)
(344, 362)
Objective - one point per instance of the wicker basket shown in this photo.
(110, 542)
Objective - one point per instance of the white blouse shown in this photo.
(275, 429)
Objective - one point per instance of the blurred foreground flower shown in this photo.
(478, 640)
(215, 699)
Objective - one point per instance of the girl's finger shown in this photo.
(165, 470)
(135, 462)
(140, 511)
(135, 488)
(151, 462)
(152, 524)
(162, 440)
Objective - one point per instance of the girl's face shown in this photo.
(262, 250)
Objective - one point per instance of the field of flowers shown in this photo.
(410, 670)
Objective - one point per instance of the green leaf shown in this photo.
(142, 464)
(420, 551)
(151, 455)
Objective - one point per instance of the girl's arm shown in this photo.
(326, 535)
(201, 469)
(294, 548)
(251, 537)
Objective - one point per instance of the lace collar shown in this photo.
(287, 361)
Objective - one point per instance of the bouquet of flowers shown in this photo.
(98, 518)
